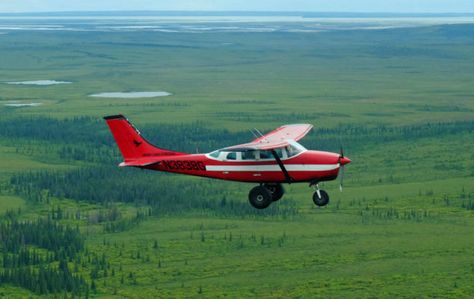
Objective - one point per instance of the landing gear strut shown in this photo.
(320, 197)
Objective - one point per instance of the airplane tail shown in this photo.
(132, 145)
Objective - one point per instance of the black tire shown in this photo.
(321, 202)
(260, 197)
(276, 191)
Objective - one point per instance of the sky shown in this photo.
(395, 6)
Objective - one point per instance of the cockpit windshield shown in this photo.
(292, 151)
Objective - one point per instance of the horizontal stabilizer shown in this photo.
(140, 162)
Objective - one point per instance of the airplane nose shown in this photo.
(344, 161)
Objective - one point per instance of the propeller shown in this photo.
(341, 169)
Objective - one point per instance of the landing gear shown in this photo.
(276, 191)
(320, 197)
(260, 197)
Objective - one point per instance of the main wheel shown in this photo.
(260, 197)
(276, 191)
(321, 201)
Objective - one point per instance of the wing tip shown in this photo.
(291, 125)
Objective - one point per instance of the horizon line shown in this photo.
(281, 12)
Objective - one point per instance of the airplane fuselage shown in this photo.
(305, 167)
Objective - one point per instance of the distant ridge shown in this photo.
(232, 13)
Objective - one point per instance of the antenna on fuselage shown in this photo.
(259, 133)
(253, 133)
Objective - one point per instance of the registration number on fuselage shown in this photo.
(184, 165)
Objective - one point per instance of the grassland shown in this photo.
(417, 75)
(403, 227)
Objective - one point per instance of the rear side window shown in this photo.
(215, 154)
(231, 156)
(248, 155)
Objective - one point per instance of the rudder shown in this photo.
(130, 142)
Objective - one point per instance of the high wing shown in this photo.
(277, 138)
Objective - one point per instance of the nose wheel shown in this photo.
(320, 197)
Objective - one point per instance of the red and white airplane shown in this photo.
(269, 160)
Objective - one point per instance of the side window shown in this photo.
(279, 152)
(293, 150)
(231, 156)
(265, 155)
(289, 151)
(215, 154)
(248, 155)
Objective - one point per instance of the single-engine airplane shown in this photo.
(269, 160)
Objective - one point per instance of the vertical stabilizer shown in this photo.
(130, 142)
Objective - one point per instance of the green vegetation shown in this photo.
(401, 101)
(17, 259)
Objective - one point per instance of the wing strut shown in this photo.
(282, 166)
